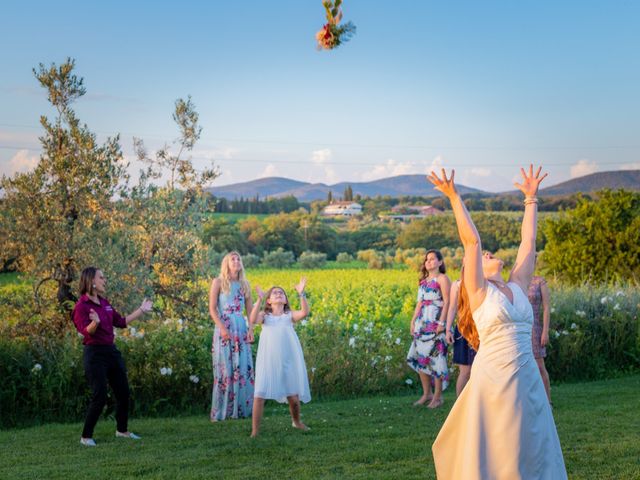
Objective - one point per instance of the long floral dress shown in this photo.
(233, 375)
(428, 352)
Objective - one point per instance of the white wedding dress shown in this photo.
(280, 368)
(501, 427)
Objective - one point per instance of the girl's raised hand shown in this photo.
(530, 183)
(259, 292)
(300, 286)
(444, 184)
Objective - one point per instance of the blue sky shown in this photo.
(483, 87)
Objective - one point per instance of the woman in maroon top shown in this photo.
(95, 318)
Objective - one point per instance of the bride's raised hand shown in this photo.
(444, 184)
(530, 182)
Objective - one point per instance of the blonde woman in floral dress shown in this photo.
(428, 352)
(233, 375)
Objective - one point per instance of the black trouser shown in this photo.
(104, 363)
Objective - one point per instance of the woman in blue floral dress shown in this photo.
(233, 375)
(428, 352)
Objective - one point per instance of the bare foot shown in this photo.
(435, 403)
(254, 434)
(300, 426)
(422, 400)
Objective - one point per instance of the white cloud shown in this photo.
(630, 166)
(21, 162)
(391, 168)
(582, 168)
(481, 171)
(436, 164)
(321, 159)
(269, 171)
(223, 153)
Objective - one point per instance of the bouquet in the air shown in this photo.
(332, 34)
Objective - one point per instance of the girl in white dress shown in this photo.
(281, 373)
(501, 426)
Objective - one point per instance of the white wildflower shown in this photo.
(313, 369)
(194, 378)
(604, 300)
(352, 341)
(166, 371)
(408, 381)
(387, 358)
(564, 332)
(553, 310)
(556, 334)
(616, 306)
(573, 326)
(132, 331)
(304, 322)
(355, 327)
(619, 293)
(36, 368)
(398, 341)
(581, 313)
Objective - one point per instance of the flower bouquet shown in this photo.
(331, 35)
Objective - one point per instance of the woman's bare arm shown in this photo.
(522, 271)
(474, 280)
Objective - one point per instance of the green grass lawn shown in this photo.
(368, 438)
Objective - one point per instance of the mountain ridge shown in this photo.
(404, 185)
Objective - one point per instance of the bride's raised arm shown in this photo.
(522, 271)
(474, 280)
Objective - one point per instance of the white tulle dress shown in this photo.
(501, 427)
(280, 368)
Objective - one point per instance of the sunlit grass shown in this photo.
(367, 438)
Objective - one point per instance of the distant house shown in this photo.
(343, 209)
(409, 212)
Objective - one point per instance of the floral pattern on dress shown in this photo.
(535, 299)
(233, 374)
(428, 352)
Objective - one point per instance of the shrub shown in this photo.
(344, 257)
(250, 260)
(278, 259)
(375, 260)
(312, 260)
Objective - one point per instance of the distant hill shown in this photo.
(410, 185)
(265, 187)
(627, 179)
(306, 192)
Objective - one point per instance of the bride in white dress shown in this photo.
(281, 373)
(501, 426)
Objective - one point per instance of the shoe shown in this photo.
(130, 435)
(88, 442)
(304, 428)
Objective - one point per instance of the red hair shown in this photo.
(466, 325)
